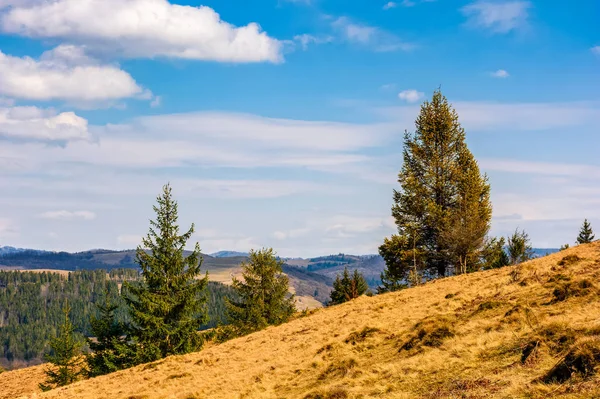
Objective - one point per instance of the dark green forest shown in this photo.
(31, 307)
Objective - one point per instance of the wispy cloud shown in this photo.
(369, 36)
(595, 50)
(69, 215)
(305, 40)
(500, 73)
(497, 16)
(389, 5)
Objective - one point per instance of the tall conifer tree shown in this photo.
(586, 235)
(168, 307)
(442, 197)
(263, 294)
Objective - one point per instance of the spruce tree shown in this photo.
(586, 235)
(519, 247)
(494, 255)
(66, 363)
(442, 197)
(346, 287)
(167, 307)
(110, 350)
(263, 297)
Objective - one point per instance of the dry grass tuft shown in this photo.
(583, 359)
(431, 332)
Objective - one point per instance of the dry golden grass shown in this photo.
(485, 335)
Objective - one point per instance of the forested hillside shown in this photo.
(31, 307)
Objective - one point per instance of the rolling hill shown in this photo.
(526, 331)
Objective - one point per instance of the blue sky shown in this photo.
(280, 123)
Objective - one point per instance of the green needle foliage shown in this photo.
(263, 294)
(519, 247)
(586, 235)
(168, 306)
(346, 287)
(110, 349)
(443, 209)
(64, 356)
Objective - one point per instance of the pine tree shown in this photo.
(586, 235)
(346, 287)
(519, 247)
(168, 307)
(110, 350)
(263, 294)
(442, 197)
(64, 356)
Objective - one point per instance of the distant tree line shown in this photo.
(31, 307)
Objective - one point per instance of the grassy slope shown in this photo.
(322, 354)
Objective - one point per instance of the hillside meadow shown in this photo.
(505, 333)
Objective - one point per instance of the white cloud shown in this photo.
(141, 28)
(390, 5)
(32, 123)
(68, 215)
(156, 102)
(497, 16)
(305, 40)
(489, 116)
(370, 36)
(411, 96)
(500, 73)
(596, 50)
(540, 168)
(65, 73)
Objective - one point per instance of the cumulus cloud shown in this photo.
(68, 215)
(65, 73)
(497, 16)
(33, 123)
(141, 28)
(500, 73)
(411, 96)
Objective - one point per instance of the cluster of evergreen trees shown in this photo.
(166, 307)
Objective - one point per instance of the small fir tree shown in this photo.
(167, 307)
(494, 255)
(110, 350)
(586, 235)
(347, 287)
(65, 356)
(519, 247)
(263, 294)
